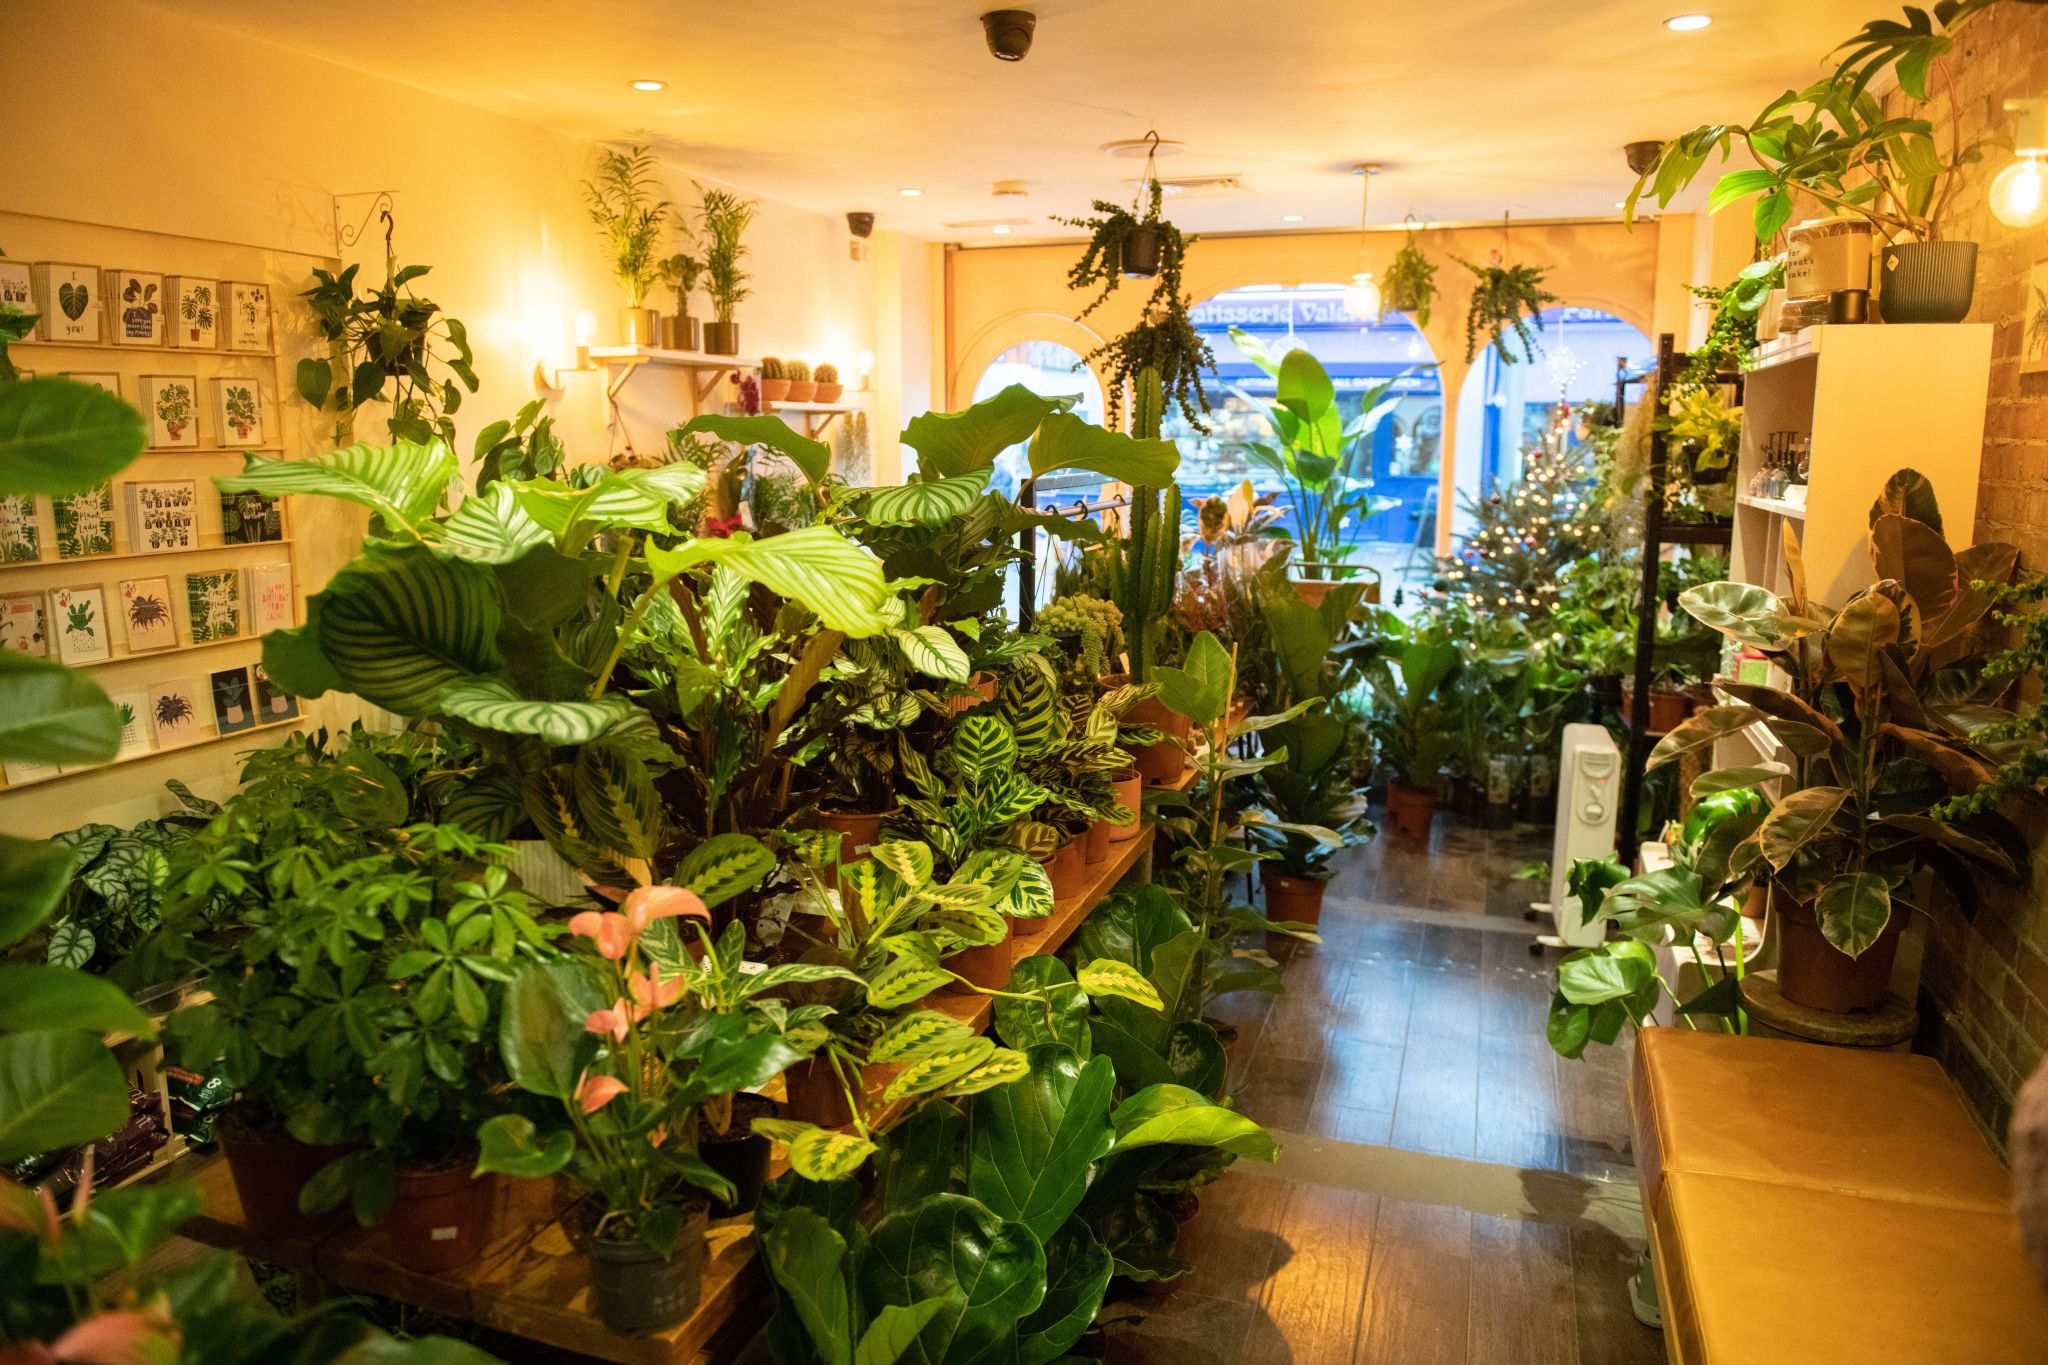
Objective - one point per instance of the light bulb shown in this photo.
(2019, 194)
(586, 327)
(1362, 299)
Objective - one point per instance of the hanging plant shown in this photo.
(1500, 298)
(1411, 282)
(1120, 244)
(386, 345)
(1733, 334)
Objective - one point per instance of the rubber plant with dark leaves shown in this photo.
(1876, 728)
(386, 345)
(996, 1221)
(75, 1287)
(506, 620)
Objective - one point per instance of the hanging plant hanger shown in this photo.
(1505, 298)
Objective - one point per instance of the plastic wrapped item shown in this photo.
(1827, 254)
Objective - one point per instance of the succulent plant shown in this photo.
(828, 374)
(773, 368)
(799, 371)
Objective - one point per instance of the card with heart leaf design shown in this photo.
(69, 299)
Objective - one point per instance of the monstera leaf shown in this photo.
(402, 483)
(951, 444)
(989, 1273)
(58, 437)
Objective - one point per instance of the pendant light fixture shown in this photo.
(1362, 298)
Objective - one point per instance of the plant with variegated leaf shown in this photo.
(1876, 728)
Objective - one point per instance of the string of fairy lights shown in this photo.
(1526, 534)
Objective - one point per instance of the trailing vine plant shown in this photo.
(1166, 339)
(1732, 335)
(1410, 286)
(1501, 296)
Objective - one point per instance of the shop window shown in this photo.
(1044, 367)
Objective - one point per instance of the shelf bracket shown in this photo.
(707, 380)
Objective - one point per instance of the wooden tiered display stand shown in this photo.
(531, 1283)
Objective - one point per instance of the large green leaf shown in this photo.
(1065, 441)
(893, 1332)
(918, 1156)
(827, 1154)
(1174, 1114)
(33, 875)
(723, 866)
(1192, 1055)
(1862, 630)
(990, 1274)
(1077, 1271)
(397, 626)
(492, 705)
(983, 747)
(954, 443)
(639, 499)
(1106, 977)
(58, 437)
(33, 997)
(1201, 690)
(57, 1089)
(1702, 728)
(939, 1068)
(923, 504)
(402, 483)
(933, 651)
(1745, 613)
(541, 1035)
(814, 458)
(491, 528)
(806, 1257)
(1031, 1145)
(512, 1145)
(621, 810)
(837, 579)
(52, 714)
(1853, 910)
(1060, 1017)
(1797, 820)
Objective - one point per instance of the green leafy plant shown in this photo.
(1501, 295)
(723, 220)
(1731, 336)
(680, 273)
(386, 345)
(1410, 727)
(1090, 631)
(1410, 283)
(120, 883)
(1143, 566)
(620, 200)
(1311, 805)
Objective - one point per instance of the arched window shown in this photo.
(1044, 367)
(1359, 355)
(1505, 410)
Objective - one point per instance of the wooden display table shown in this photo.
(529, 1281)
(1891, 1025)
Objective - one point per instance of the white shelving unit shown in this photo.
(816, 417)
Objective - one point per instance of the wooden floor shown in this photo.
(1449, 1190)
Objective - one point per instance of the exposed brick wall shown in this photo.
(1984, 985)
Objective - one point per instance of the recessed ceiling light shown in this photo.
(1001, 229)
(1688, 23)
(1290, 217)
(650, 85)
(910, 193)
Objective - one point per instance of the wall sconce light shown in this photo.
(867, 368)
(2019, 193)
(550, 384)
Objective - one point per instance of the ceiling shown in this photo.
(1474, 106)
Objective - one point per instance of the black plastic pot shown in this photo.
(1927, 281)
(740, 1155)
(1143, 249)
(635, 1291)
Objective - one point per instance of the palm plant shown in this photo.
(724, 218)
(621, 201)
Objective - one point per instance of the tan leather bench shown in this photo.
(1811, 1205)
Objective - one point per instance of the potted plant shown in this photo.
(723, 219)
(680, 272)
(1836, 143)
(1325, 461)
(1501, 295)
(1141, 570)
(1165, 341)
(621, 202)
(388, 345)
(1410, 284)
(774, 380)
(1409, 727)
(1872, 737)
(802, 388)
(829, 388)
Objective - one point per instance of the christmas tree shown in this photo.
(1526, 534)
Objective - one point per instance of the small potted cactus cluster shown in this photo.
(793, 381)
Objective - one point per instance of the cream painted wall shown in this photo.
(999, 296)
(187, 133)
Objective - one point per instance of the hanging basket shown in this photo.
(1142, 252)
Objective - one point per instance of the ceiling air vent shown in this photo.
(1204, 186)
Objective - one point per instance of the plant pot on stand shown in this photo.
(440, 1216)
(986, 965)
(633, 1288)
(858, 831)
(1067, 870)
(639, 327)
(1129, 786)
(815, 1095)
(685, 334)
(1291, 899)
(1927, 281)
(722, 338)
(269, 1167)
(1410, 810)
(1815, 973)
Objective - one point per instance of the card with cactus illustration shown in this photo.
(135, 730)
(146, 614)
(17, 286)
(232, 708)
(163, 514)
(213, 605)
(171, 402)
(68, 299)
(24, 624)
(176, 713)
(135, 306)
(248, 315)
(273, 703)
(238, 411)
(250, 518)
(21, 534)
(194, 307)
(85, 522)
(78, 620)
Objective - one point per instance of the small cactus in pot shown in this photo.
(774, 380)
(801, 385)
(829, 388)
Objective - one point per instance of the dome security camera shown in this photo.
(1642, 155)
(1009, 33)
(860, 224)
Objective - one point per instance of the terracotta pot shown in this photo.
(774, 390)
(722, 338)
(1130, 793)
(739, 1154)
(440, 1217)
(802, 390)
(984, 685)
(814, 1094)
(986, 966)
(1410, 811)
(635, 1291)
(1297, 900)
(639, 327)
(1372, 593)
(1668, 707)
(1311, 591)
(269, 1170)
(1815, 973)
(828, 393)
(1164, 762)
(1095, 843)
(859, 831)
(1068, 869)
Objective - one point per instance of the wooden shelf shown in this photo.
(816, 418)
(131, 656)
(78, 560)
(156, 753)
(111, 348)
(214, 450)
(687, 360)
(1775, 506)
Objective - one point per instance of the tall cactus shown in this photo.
(1143, 570)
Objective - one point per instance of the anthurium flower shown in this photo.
(651, 993)
(615, 1021)
(127, 1337)
(611, 931)
(598, 1091)
(649, 903)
